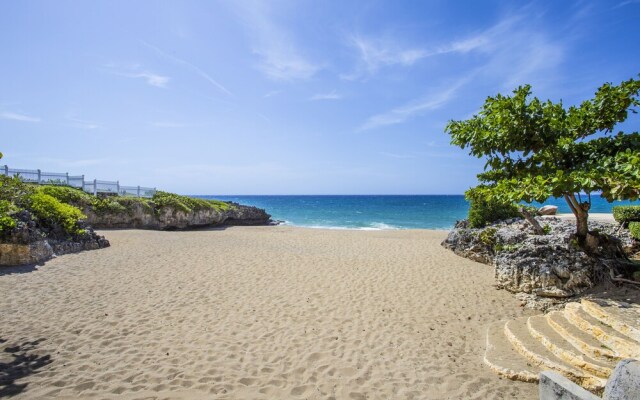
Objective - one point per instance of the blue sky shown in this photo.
(287, 97)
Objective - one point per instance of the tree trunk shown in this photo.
(581, 211)
(536, 226)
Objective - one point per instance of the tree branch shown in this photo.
(571, 206)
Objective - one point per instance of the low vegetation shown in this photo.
(625, 214)
(634, 229)
(51, 212)
(62, 205)
(188, 204)
(48, 211)
(483, 212)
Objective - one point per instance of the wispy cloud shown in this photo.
(12, 116)
(194, 68)
(401, 114)
(518, 52)
(626, 3)
(83, 124)
(280, 59)
(272, 93)
(375, 53)
(333, 95)
(152, 79)
(172, 124)
(135, 71)
(396, 155)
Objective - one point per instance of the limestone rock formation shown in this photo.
(144, 216)
(550, 266)
(28, 243)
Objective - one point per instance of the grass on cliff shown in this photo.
(63, 205)
(188, 204)
(118, 204)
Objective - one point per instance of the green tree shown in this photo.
(537, 149)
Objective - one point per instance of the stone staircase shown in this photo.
(584, 342)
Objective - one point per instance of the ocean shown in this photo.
(377, 212)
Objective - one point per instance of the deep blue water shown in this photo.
(376, 212)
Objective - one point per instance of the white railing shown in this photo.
(95, 186)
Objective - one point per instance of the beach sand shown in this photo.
(256, 313)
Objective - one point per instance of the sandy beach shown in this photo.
(256, 313)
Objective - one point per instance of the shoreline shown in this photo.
(600, 217)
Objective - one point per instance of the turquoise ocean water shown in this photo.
(373, 212)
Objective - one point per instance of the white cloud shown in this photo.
(280, 59)
(152, 79)
(135, 71)
(375, 53)
(11, 116)
(414, 108)
(333, 95)
(190, 66)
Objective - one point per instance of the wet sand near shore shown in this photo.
(255, 313)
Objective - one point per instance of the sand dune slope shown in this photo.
(256, 313)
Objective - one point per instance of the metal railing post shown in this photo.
(118, 187)
(39, 176)
(95, 187)
(67, 179)
(83, 182)
(6, 170)
(138, 190)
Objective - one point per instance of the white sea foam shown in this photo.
(383, 227)
(374, 226)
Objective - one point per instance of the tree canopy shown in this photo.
(537, 149)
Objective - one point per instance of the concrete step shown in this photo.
(518, 335)
(623, 346)
(582, 341)
(502, 358)
(623, 317)
(540, 329)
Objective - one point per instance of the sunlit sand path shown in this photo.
(258, 312)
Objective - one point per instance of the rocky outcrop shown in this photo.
(246, 215)
(28, 243)
(548, 210)
(548, 266)
(147, 216)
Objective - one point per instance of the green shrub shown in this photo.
(13, 190)
(107, 205)
(6, 221)
(546, 229)
(625, 214)
(488, 236)
(187, 204)
(51, 211)
(634, 229)
(483, 212)
(69, 195)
